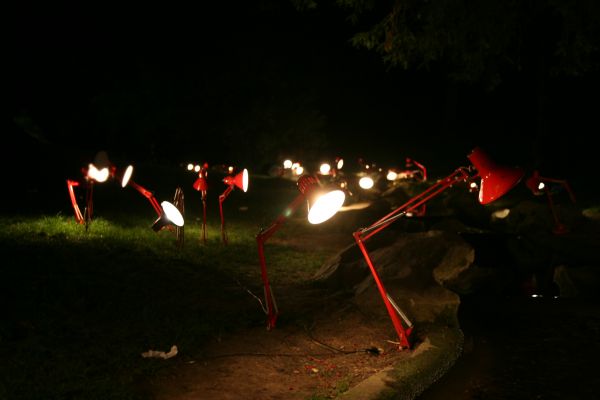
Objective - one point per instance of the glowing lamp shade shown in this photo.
(325, 206)
(240, 180)
(340, 163)
(324, 169)
(366, 182)
(495, 180)
(172, 213)
(126, 175)
(391, 175)
(287, 164)
(99, 175)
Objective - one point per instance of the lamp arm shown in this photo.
(70, 185)
(261, 238)
(421, 167)
(562, 182)
(204, 216)
(360, 236)
(149, 195)
(222, 198)
(461, 174)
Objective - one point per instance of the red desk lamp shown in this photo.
(322, 205)
(540, 185)
(241, 181)
(168, 214)
(201, 185)
(411, 173)
(91, 174)
(495, 182)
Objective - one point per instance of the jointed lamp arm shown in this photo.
(78, 216)
(222, 198)
(261, 238)
(562, 182)
(149, 195)
(420, 166)
(362, 235)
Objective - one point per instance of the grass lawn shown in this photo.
(79, 307)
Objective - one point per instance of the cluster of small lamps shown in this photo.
(483, 176)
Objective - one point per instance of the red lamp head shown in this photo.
(240, 180)
(323, 203)
(200, 184)
(496, 180)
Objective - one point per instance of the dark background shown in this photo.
(250, 83)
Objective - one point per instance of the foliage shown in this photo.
(479, 41)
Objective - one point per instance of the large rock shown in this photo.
(416, 269)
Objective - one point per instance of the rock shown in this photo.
(415, 268)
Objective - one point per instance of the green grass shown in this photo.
(79, 307)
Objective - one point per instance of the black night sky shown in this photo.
(168, 84)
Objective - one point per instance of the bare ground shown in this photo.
(322, 346)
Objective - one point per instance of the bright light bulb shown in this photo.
(126, 176)
(287, 164)
(324, 169)
(392, 175)
(541, 186)
(197, 168)
(299, 170)
(326, 206)
(96, 174)
(190, 167)
(295, 165)
(172, 213)
(245, 180)
(366, 182)
(473, 185)
(340, 163)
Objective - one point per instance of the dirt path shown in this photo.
(325, 347)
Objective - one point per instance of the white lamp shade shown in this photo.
(326, 206)
(172, 213)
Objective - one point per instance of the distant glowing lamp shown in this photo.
(495, 181)
(287, 164)
(391, 175)
(240, 181)
(540, 185)
(322, 205)
(325, 169)
(190, 167)
(366, 182)
(339, 163)
(196, 168)
(299, 170)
